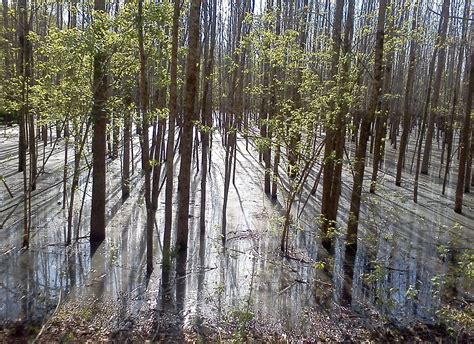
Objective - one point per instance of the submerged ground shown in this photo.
(407, 277)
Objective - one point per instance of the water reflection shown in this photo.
(396, 260)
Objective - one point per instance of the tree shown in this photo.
(206, 116)
(359, 163)
(186, 144)
(465, 133)
(450, 124)
(99, 120)
(24, 73)
(436, 85)
(406, 125)
(173, 108)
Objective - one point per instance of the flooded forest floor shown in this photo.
(409, 281)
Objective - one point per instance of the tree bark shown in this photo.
(173, 107)
(207, 110)
(436, 86)
(145, 142)
(186, 143)
(407, 99)
(359, 163)
(22, 67)
(380, 126)
(99, 148)
(329, 150)
(450, 130)
(23, 73)
(127, 132)
(465, 135)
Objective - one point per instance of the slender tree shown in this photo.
(465, 133)
(406, 125)
(334, 132)
(186, 143)
(173, 107)
(207, 107)
(23, 71)
(99, 120)
(436, 85)
(359, 163)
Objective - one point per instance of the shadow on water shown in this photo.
(170, 312)
(180, 289)
(396, 266)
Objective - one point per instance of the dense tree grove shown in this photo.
(332, 97)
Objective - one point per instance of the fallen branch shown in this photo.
(6, 186)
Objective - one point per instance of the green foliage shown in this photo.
(466, 265)
(456, 319)
(320, 265)
(262, 144)
(241, 316)
(62, 87)
(377, 274)
(411, 292)
(125, 64)
(203, 128)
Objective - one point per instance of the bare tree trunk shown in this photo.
(127, 132)
(266, 131)
(99, 148)
(265, 116)
(359, 163)
(145, 142)
(22, 61)
(340, 133)
(186, 142)
(7, 40)
(65, 169)
(436, 86)
(78, 149)
(450, 130)
(207, 110)
(328, 170)
(381, 118)
(233, 117)
(407, 100)
(469, 174)
(465, 133)
(115, 135)
(422, 128)
(173, 106)
(275, 111)
(23, 73)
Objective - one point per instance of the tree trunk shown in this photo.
(465, 135)
(329, 150)
(407, 99)
(78, 149)
(436, 86)
(450, 129)
(273, 108)
(192, 70)
(173, 106)
(7, 40)
(145, 142)
(99, 148)
(22, 67)
(127, 132)
(340, 133)
(381, 120)
(207, 110)
(359, 163)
